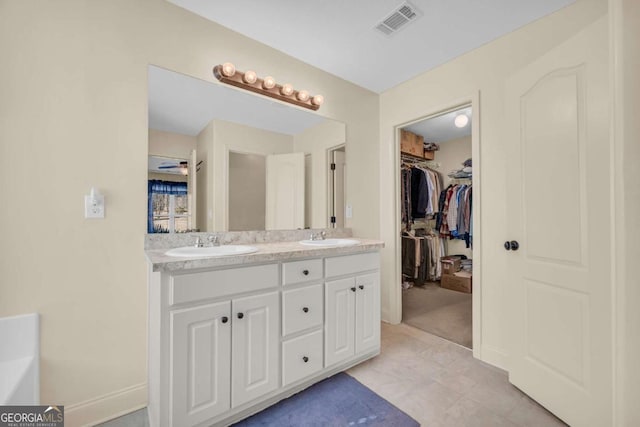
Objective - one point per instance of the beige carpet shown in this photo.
(442, 312)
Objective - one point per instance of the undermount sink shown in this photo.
(211, 251)
(329, 242)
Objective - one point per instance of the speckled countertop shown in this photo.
(274, 251)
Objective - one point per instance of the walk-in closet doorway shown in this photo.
(445, 303)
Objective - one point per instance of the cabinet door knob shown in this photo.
(305, 272)
(305, 359)
(225, 319)
(361, 286)
(240, 315)
(305, 309)
(353, 289)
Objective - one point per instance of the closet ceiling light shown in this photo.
(250, 81)
(461, 120)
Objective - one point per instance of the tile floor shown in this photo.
(437, 382)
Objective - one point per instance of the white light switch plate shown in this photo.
(94, 206)
(349, 213)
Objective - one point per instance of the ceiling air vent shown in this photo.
(401, 16)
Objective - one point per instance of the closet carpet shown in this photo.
(439, 311)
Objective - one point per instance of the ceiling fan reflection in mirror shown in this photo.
(182, 167)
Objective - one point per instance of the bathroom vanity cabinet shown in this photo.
(229, 341)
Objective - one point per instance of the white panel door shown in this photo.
(200, 363)
(367, 329)
(558, 210)
(285, 192)
(338, 187)
(339, 320)
(256, 339)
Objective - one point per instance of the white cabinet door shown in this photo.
(367, 312)
(340, 320)
(200, 363)
(256, 336)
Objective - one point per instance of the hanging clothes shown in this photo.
(456, 217)
(421, 257)
(420, 189)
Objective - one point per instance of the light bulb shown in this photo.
(286, 89)
(268, 82)
(303, 95)
(461, 120)
(317, 100)
(228, 69)
(250, 77)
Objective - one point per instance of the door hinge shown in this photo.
(333, 220)
(333, 166)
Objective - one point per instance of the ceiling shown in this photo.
(340, 36)
(440, 129)
(185, 105)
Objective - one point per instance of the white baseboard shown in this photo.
(106, 407)
(494, 356)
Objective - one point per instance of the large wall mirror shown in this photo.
(221, 159)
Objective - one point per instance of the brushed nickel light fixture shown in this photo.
(249, 80)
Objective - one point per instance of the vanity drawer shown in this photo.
(349, 264)
(301, 271)
(218, 283)
(301, 357)
(302, 309)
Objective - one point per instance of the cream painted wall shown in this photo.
(238, 138)
(169, 144)
(316, 141)
(247, 191)
(482, 71)
(74, 90)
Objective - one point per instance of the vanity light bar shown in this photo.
(248, 80)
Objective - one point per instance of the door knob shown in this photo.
(512, 245)
(225, 319)
(240, 315)
(353, 289)
(361, 287)
(305, 359)
(305, 272)
(305, 309)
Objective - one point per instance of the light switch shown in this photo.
(349, 213)
(94, 205)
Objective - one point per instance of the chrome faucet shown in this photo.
(214, 240)
(318, 236)
(199, 243)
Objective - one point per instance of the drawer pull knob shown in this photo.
(305, 359)
(305, 272)
(240, 315)
(305, 309)
(353, 289)
(225, 319)
(361, 286)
